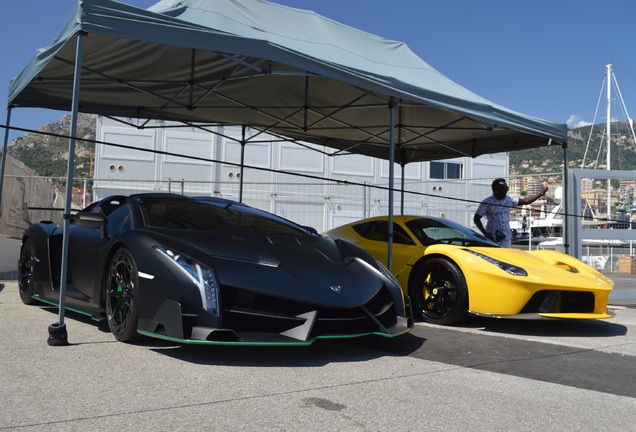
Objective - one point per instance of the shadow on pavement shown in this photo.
(548, 327)
(321, 352)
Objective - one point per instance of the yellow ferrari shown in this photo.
(450, 272)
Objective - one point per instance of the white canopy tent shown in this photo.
(286, 71)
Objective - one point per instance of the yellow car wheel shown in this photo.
(439, 292)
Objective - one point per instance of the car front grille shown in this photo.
(560, 302)
(250, 313)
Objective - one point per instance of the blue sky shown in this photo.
(543, 58)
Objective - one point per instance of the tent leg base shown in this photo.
(57, 335)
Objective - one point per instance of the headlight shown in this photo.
(201, 275)
(508, 268)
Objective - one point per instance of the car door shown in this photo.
(403, 245)
(84, 246)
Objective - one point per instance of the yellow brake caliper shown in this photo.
(428, 291)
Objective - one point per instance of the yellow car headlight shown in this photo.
(508, 268)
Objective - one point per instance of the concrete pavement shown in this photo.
(488, 375)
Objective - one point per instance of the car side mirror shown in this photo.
(92, 220)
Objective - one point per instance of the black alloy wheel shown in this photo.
(122, 296)
(26, 272)
(439, 292)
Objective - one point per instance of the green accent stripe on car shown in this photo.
(57, 304)
(226, 343)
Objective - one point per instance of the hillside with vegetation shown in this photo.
(47, 152)
(550, 159)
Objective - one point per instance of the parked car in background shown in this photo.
(450, 272)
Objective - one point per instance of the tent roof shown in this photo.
(288, 71)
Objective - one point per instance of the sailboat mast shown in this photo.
(609, 137)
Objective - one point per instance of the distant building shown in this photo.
(284, 177)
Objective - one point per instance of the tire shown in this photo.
(26, 272)
(121, 296)
(439, 292)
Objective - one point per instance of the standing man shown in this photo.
(496, 208)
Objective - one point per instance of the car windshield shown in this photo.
(209, 216)
(436, 231)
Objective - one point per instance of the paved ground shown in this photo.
(624, 292)
(490, 375)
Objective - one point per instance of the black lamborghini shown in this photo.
(209, 271)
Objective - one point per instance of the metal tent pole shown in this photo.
(4, 155)
(243, 143)
(402, 184)
(391, 181)
(402, 161)
(566, 229)
(57, 331)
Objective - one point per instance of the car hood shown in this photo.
(549, 267)
(307, 268)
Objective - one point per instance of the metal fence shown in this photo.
(320, 203)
